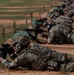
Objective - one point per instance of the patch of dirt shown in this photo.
(15, 10)
(29, 72)
(8, 21)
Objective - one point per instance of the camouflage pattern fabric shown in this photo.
(69, 5)
(70, 37)
(20, 43)
(71, 13)
(64, 20)
(57, 31)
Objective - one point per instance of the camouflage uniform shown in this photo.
(71, 10)
(41, 58)
(58, 33)
(71, 13)
(68, 4)
(58, 9)
(38, 23)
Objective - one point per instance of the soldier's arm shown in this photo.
(10, 65)
(18, 61)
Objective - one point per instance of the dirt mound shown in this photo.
(29, 72)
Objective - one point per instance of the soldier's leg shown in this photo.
(59, 57)
(60, 62)
(68, 67)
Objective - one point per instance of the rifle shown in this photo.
(6, 49)
(33, 33)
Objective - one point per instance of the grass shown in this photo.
(22, 2)
(16, 15)
(7, 35)
(13, 17)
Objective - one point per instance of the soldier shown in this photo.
(68, 4)
(38, 23)
(71, 10)
(37, 57)
(51, 15)
(58, 33)
(47, 25)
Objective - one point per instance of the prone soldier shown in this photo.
(37, 57)
(59, 32)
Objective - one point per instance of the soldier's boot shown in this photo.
(53, 65)
(69, 67)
